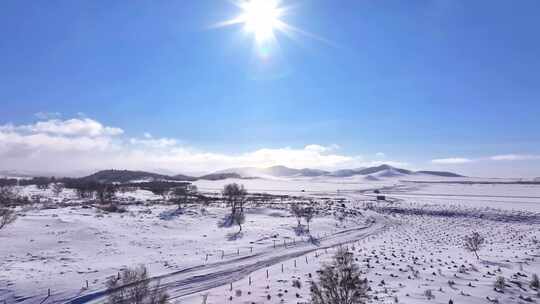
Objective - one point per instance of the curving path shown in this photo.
(208, 276)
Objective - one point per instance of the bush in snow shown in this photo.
(133, 286)
(340, 282)
(428, 293)
(500, 283)
(535, 282)
(474, 242)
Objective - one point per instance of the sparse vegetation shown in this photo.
(181, 195)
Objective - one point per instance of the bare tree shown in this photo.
(57, 188)
(340, 282)
(7, 195)
(182, 194)
(239, 218)
(298, 211)
(7, 216)
(474, 243)
(309, 214)
(106, 193)
(133, 286)
(235, 196)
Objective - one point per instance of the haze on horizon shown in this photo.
(201, 86)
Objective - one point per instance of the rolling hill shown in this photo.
(375, 172)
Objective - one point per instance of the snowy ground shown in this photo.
(414, 245)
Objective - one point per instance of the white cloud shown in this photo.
(84, 144)
(513, 157)
(501, 157)
(47, 115)
(451, 161)
(380, 154)
(321, 149)
(154, 142)
(70, 127)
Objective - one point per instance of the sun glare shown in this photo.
(261, 17)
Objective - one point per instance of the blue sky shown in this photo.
(416, 80)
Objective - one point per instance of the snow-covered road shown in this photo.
(204, 277)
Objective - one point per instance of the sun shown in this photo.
(261, 18)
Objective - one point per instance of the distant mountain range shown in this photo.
(125, 176)
(377, 171)
(370, 173)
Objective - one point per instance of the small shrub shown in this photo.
(112, 208)
(500, 283)
(428, 293)
(535, 282)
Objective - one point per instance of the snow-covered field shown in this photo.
(405, 246)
